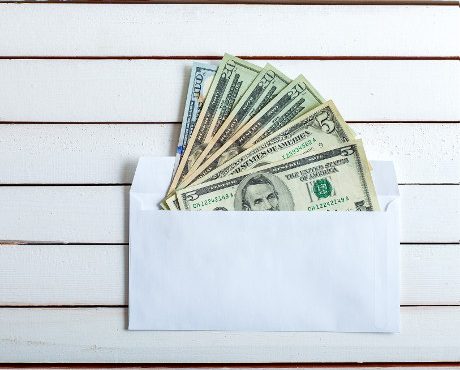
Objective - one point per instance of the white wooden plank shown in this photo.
(65, 214)
(87, 153)
(425, 218)
(422, 153)
(153, 90)
(164, 30)
(60, 275)
(100, 335)
(80, 153)
(98, 214)
(430, 273)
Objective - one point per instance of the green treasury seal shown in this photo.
(322, 188)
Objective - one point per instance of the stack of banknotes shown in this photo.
(253, 139)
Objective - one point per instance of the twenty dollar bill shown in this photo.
(232, 78)
(297, 98)
(268, 83)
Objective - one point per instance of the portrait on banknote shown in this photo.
(263, 192)
(230, 153)
(194, 155)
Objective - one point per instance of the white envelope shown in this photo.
(262, 271)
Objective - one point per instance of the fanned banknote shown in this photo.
(333, 180)
(265, 142)
(317, 130)
(200, 81)
(268, 83)
(232, 78)
(297, 98)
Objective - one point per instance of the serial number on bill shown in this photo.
(215, 199)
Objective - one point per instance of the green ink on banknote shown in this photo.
(322, 188)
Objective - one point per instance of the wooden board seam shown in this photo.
(70, 306)
(260, 365)
(218, 57)
(13, 243)
(250, 2)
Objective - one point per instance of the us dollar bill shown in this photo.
(232, 78)
(334, 180)
(268, 83)
(200, 81)
(317, 130)
(172, 203)
(297, 98)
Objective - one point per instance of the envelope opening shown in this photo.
(153, 175)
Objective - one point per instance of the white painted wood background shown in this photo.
(86, 89)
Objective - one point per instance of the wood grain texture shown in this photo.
(82, 153)
(165, 30)
(59, 275)
(98, 214)
(106, 153)
(100, 335)
(154, 90)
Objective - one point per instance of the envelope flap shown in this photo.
(384, 176)
(153, 174)
(151, 180)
